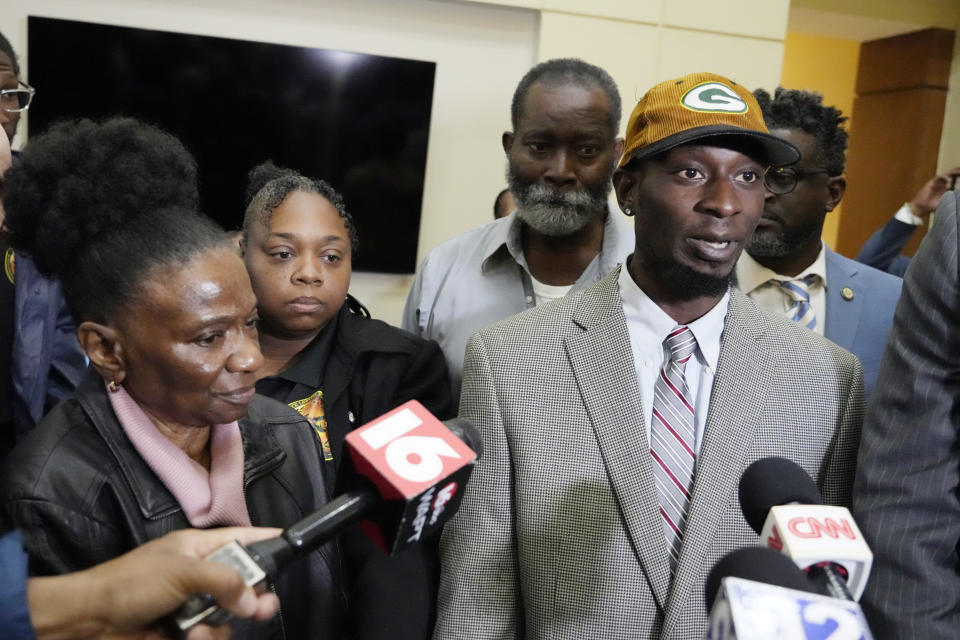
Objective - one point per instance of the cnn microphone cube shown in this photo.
(418, 465)
(811, 534)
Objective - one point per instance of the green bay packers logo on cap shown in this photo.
(713, 97)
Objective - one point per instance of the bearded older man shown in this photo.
(562, 236)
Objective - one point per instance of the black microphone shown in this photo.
(772, 481)
(782, 504)
(755, 593)
(760, 565)
(411, 470)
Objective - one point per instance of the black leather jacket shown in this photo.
(81, 494)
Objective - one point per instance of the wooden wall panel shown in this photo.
(893, 151)
(897, 124)
(918, 59)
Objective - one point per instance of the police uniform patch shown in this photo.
(9, 266)
(311, 408)
(713, 97)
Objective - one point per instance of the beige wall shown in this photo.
(641, 42)
(827, 66)
(950, 138)
(482, 48)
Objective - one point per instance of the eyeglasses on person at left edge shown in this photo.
(19, 99)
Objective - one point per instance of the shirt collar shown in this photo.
(707, 329)
(507, 239)
(312, 361)
(206, 497)
(752, 275)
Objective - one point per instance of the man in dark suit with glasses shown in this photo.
(41, 360)
(787, 268)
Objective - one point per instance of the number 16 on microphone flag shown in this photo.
(417, 462)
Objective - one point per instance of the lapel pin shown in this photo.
(846, 293)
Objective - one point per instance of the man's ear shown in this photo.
(836, 187)
(507, 141)
(100, 343)
(624, 185)
(618, 148)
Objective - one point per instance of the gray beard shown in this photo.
(553, 212)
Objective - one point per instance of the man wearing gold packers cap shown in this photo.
(617, 421)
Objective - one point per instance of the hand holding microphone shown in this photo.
(411, 471)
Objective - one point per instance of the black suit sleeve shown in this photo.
(906, 491)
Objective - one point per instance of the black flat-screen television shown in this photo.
(358, 121)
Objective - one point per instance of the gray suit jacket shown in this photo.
(906, 497)
(559, 535)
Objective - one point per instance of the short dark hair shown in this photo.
(7, 48)
(804, 110)
(567, 71)
(269, 185)
(99, 204)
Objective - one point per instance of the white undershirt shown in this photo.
(545, 293)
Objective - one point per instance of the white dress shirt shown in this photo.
(905, 214)
(648, 326)
(754, 280)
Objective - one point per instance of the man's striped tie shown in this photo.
(672, 438)
(799, 291)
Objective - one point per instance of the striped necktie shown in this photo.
(672, 438)
(799, 291)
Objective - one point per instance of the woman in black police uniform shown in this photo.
(165, 432)
(327, 358)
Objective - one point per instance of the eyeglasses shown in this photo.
(16, 100)
(783, 180)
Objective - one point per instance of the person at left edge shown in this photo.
(326, 357)
(41, 361)
(10, 80)
(166, 431)
(584, 519)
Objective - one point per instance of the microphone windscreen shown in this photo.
(466, 431)
(760, 565)
(771, 482)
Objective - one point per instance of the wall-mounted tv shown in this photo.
(359, 121)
